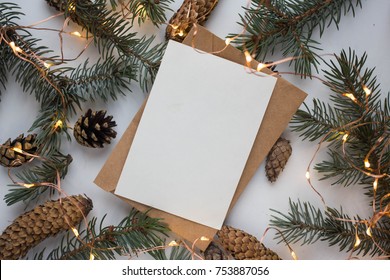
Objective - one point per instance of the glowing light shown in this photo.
(294, 255)
(307, 175)
(345, 137)
(375, 184)
(91, 257)
(228, 40)
(173, 243)
(181, 33)
(174, 27)
(368, 231)
(76, 232)
(17, 150)
(58, 124)
(367, 90)
(260, 67)
(47, 65)
(29, 185)
(76, 33)
(248, 57)
(357, 242)
(72, 7)
(350, 96)
(367, 163)
(15, 48)
(204, 238)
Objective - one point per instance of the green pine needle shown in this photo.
(112, 33)
(143, 10)
(305, 224)
(288, 26)
(134, 234)
(46, 172)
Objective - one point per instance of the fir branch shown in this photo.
(289, 26)
(321, 120)
(306, 224)
(44, 173)
(102, 80)
(111, 32)
(340, 170)
(4, 52)
(143, 10)
(380, 196)
(50, 125)
(365, 119)
(8, 13)
(137, 232)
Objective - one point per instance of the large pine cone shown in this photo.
(94, 129)
(190, 12)
(244, 246)
(277, 158)
(29, 229)
(9, 152)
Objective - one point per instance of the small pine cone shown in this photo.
(244, 246)
(9, 151)
(29, 229)
(214, 252)
(59, 5)
(190, 12)
(94, 129)
(277, 158)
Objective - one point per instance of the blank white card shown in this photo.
(195, 135)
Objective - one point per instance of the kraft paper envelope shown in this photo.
(285, 100)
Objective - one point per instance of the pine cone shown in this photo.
(244, 246)
(43, 221)
(277, 158)
(59, 5)
(213, 252)
(94, 129)
(11, 158)
(190, 12)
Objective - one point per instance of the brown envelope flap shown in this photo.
(284, 102)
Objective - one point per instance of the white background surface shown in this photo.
(368, 31)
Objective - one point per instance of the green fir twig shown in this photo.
(288, 26)
(143, 10)
(111, 32)
(305, 224)
(46, 172)
(134, 234)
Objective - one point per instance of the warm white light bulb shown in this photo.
(76, 33)
(248, 57)
(76, 232)
(367, 90)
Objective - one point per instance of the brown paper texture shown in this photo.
(285, 100)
